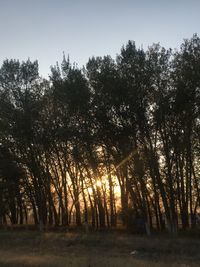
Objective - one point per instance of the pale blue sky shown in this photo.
(43, 29)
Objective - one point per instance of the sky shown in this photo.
(44, 29)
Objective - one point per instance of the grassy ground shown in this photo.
(31, 249)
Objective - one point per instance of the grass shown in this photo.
(34, 249)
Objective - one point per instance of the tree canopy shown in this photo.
(116, 141)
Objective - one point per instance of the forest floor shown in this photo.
(107, 249)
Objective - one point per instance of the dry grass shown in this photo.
(32, 249)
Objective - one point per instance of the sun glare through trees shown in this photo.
(116, 143)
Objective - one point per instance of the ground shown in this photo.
(107, 249)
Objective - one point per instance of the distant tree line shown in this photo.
(132, 123)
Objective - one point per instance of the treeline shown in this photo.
(119, 132)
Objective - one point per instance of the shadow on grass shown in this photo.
(34, 249)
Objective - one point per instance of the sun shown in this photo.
(90, 191)
(98, 183)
